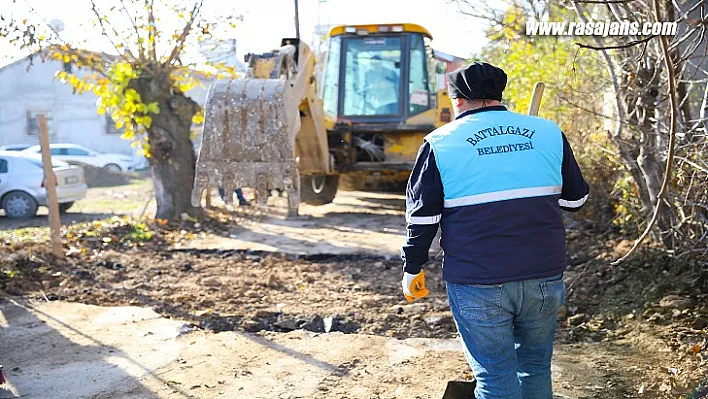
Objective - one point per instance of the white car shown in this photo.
(15, 147)
(22, 184)
(76, 153)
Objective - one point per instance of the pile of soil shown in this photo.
(99, 177)
(232, 290)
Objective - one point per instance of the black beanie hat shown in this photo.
(477, 81)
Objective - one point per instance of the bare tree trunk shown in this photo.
(628, 154)
(651, 145)
(172, 157)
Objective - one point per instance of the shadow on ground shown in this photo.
(45, 356)
(43, 220)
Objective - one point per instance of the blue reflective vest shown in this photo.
(495, 182)
(495, 156)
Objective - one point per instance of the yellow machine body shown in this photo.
(297, 124)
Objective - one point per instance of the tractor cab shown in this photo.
(378, 75)
(378, 89)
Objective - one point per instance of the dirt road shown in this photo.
(66, 351)
(262, 307)
(356, 223)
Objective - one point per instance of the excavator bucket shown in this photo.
(249, 136)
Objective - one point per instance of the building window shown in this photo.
(33, 122)
(68, 67)
(111, 126)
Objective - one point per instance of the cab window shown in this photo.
(419, 86)
(330, 88)
(3, 166)
(372, 76)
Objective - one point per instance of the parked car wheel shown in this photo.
(19, 205)
(65, 206)
(111, 167)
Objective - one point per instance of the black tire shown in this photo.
(64, 207)
(19, 205)
(111, 167)
(318, 190)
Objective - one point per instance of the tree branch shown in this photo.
(91, 64)
(141, 49)
(71, 51)
(630, 44)
(94, 8)
(152, 31)
(605, 1)
(695, 165)
(685, 15)
(185, 32)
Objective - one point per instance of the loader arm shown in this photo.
(311, 146)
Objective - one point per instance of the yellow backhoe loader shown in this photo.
(294, 125)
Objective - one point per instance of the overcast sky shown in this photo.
(267, 21)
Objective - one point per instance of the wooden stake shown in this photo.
(536, 97)
(50, 184)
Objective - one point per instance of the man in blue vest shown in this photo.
(495, 182)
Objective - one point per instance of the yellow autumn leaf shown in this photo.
(198, 118)
(153, 107)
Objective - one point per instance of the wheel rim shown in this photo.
(318, 187)
(17, 205)
(113, 168)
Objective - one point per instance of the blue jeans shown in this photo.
(507, 334)
(238, 191)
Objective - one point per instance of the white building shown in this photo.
(30, 89)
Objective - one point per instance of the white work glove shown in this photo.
(414, 286)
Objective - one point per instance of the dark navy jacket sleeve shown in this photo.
(424, 205)
(575, 189)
